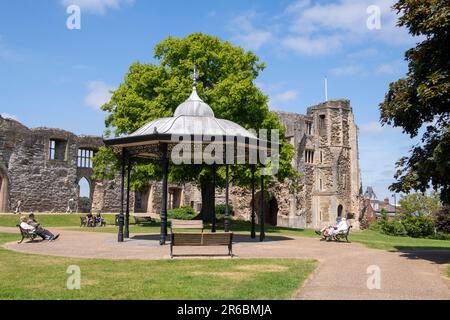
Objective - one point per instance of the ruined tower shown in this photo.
(326, 146)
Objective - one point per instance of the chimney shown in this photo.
(386, 201)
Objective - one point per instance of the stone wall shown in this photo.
(42, 184)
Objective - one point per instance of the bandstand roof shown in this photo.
(193, 119)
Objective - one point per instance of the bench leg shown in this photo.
(230, 250)
(19, 242)
(171, 251)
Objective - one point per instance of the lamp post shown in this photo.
(395, 203)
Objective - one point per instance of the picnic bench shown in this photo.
(28, 234)
(200, 239)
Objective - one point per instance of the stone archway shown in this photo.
(174, 197)
(271, 217)
(84, 195)
(270, 209)
(3, 192)
(339, 211)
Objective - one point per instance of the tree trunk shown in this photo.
(207, 190)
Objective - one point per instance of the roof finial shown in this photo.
(194, 76)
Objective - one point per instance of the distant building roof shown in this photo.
(370, 194)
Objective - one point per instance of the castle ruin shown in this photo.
(42, 168)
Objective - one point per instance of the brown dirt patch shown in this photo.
(263, 268)
(229, 275)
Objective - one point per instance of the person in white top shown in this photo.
(43, 233)
(340, 226)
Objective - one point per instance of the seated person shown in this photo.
(33, 226)
(98, 218)
(340, 226)
(90, 220)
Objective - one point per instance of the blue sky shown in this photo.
(55, 77)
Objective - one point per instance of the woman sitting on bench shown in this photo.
(341, 226)
(99, 219)
(33, 226)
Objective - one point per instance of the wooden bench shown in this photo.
(342, 235)
(186, 224)
(200, 239)
(26, 234)
(84, 222)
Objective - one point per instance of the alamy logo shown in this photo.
(374, 20)
(74, 280)
(73, 21)
(374, 279)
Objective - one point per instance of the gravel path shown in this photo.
(342, 273)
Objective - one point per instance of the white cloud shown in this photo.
(312, 46)
(297, 6)
(371, 127)
(96, 6)
(344, 22)
(247, 35)
(348, 70)
(9, 116)
(363, 54)
(255, 39)
(275, 100)
(285, 96)
(98, 94)
(391, 68)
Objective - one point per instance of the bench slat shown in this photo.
(201, 239)
(186, 224)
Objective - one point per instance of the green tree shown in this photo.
(420, 203)
(420, 102)
(226, 83)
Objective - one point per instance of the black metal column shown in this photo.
(227, 212)
(213, 227)
(253, 231)
(165, 167)
(122, 191)
(262, 233)
(127, 214)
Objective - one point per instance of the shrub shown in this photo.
(440, 236)
(442, 220)
(392, 228)
(183, 213)
(220, 210)
(374, 226)
(419, 226)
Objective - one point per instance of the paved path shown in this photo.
(342, 273)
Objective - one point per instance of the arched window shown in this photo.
(84, 198)
(3, 192)
(339, 210)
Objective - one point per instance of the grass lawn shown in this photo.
(371, 239)
(27, 276)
